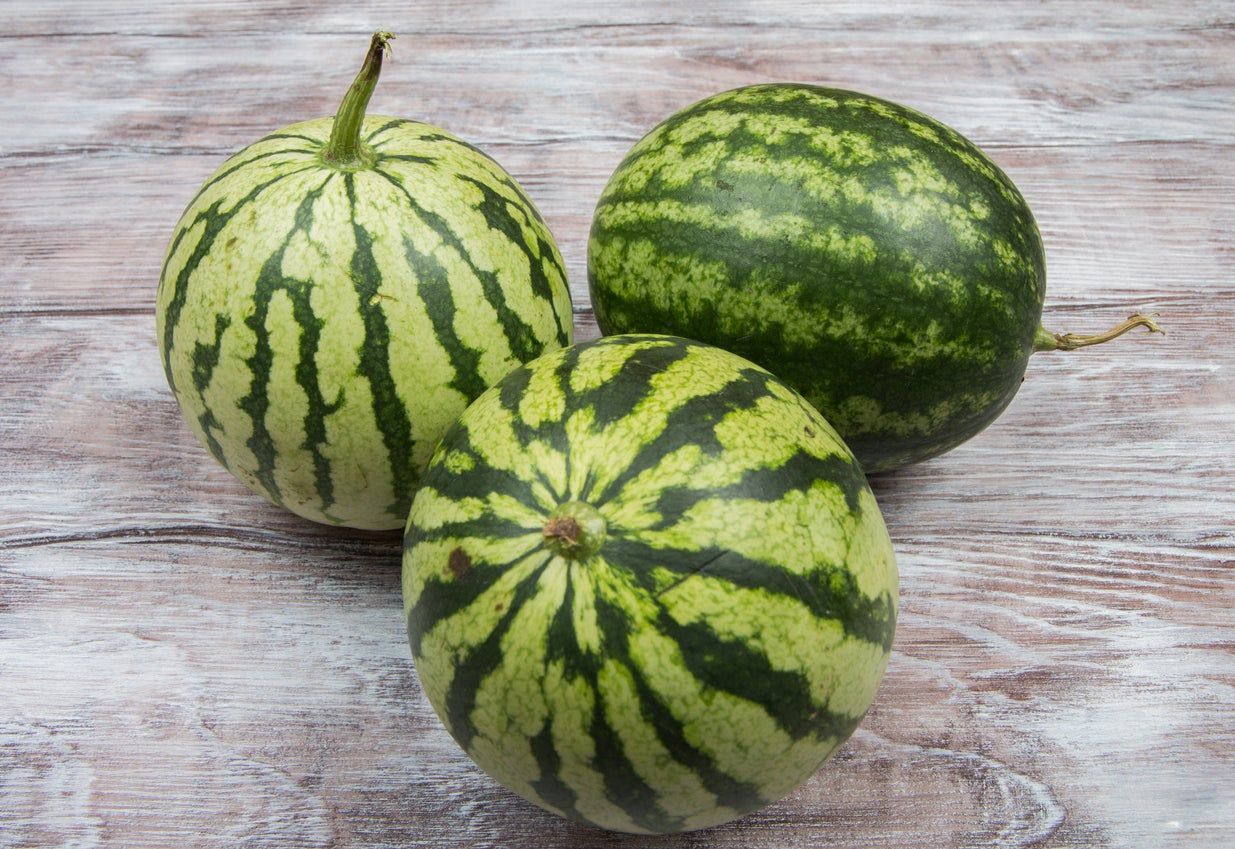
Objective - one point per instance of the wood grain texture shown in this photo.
(182, 664)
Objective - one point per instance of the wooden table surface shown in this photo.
(182, 664)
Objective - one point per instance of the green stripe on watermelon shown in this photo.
(871, 257)
(329, 306)
(646, 585)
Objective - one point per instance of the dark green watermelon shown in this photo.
(871, 257)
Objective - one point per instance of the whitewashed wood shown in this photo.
(183, 664)
(1100, 210)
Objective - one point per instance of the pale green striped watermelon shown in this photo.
(646, 585)
(871, 257)
(339, 292)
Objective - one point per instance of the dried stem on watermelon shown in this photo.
(1047, 341)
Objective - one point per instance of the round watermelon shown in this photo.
(871, 257)
(338, 292)
(646, 585)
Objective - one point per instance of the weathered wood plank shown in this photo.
(929, 21)
(1157, 84)
(79, 243)
(87, 394)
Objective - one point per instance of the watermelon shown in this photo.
(871, 257)
(646, 585)
(337, 294)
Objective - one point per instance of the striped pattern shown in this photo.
(726, 636)
(869, 256)
(322, 328)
